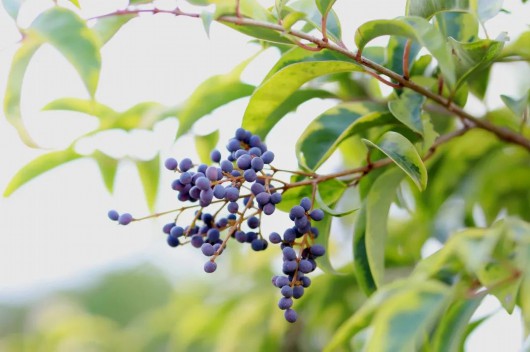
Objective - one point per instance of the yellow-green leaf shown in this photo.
(149, 172)
(205, 144)
(108, 167)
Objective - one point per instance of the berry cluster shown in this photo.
(242, 185)
(296, 265)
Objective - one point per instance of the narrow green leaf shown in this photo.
(429, 133)
(39, 166)
(283, 84)
(414, 28)
(450, 331)
(68, 33)
(378, 204)
(205, 144)
(474, 56)
(105, 28)
(362, 269)
(85, 106)
(517, 106)
(140, 116)
(401, 321)
(519, 47)
(14, 88)
(324, 229)
(278, 5)
(407, 109)
(331, 191)
(484, 9)
(324, 134)
(328, 210)
(207, 19)
(108, 167)
(75, 3)
(403, 153)
(12, 7)
(324, 6)
(216, 91)
(149, 172)
(292, 18)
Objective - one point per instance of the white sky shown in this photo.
(54, 231)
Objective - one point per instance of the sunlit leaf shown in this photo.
(362, 269)
(85, 106)
(407, 109)
(140, 116)
(292, 18)
(395, 51)
(149, 172)
(68, 33)
(461, 26)
(108, 167)
(414, 28)
(403, 153)
(283, 84)
(314, 17)
(106, 27)
(324, 228)
(14, 88)
(324, 134)
(207, 18)
(75, 3)
(378, 203)
(205, 144)
(324, 6)
(216, 91)
(12, 7)
(519, 47)
(485, 9)
(517, 105)
(329, 210)
(39, 166)
(331, 191)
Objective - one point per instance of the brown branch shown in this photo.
(406, 54)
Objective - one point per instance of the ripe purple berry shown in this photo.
(290, 315)
(210, 266)
(171, 164)
(113, 215)
(125, 219)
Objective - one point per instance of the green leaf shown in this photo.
(461, 26)
(75, 3)
(324, 6)
(407, 109)
(205, 144)
(85, 106)
(68, 33)
(107, 27)
(292, 18)
(328, 210)
(401, 321)
(378, 204)
(414, 28)
(108, 167)
(149, 172)
(450, 331)
(324, 228)
(520, 47)
(403, 153)
(277, 89)
(395, 50)
(362, 269)
(39, 166)
(331, 191)
(278, 5)
(485, 9)
(141, 116)
(12, 7)
(517, 106)
(488, 9)
(314, 18)
(14, 88)
(216, 91)
(474, 56)
(207, 19)
(324, 134)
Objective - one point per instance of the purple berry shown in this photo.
(176, 232)
(186, 164)
(289, 253)
(211, 173)
(289, 266)
(215, 155)
(185, 178)
(257, 163)
(167, 227)
(298, 291)
(232, 207)
(113, 215)
(263, 198)
(287, 291)
(231, 193)
(267, 157)
(253, 222)
(241, 236)
(285, 303)
(257, 188)
(297, 211)
(171, 164)
(203, 183)
(219, 191)
(317, 250)
(207, 249)
(197, 241)
(227, 166)
(254, 151)
(282, 281)
(233, 145)
(290, 315)
(172, 241)
(305, 203)
(305, 266)
(276, 198)
(210, 267)
(275, 238)
(317, 214)
(243, 162)
(125, 219)
(250, 175)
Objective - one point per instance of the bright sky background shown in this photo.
(54, 231)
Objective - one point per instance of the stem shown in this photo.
(406, 54)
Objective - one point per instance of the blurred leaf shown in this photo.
(324, 6)
(108, 167)
(450, 332)
(207, 19)
(314, 17)
(474, 56)
(14, 88)
(107, 27)
(89, 107)
(292, 18)
(362, 269)
(324, 134)
(407, 109)
(403, 153)
(140, 116)
(205, 144)
(216, 91)
(331, 191)
(68, 33)
(149, 172)
(517, 106)
(403, 319)
(378, 204)
(12, 7)
(324, 232)
(39, 166)
(461, 26)
(414, 28)
(519, 47)
(277, 89)
(395, 51)
(278, 5)
(75, 3)
(485, 9)
(328, 210)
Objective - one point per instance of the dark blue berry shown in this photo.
(289, 235)
(305, 266)
(113, 215)
(267, 157)
(210, 266)
(227, 166)
(219, 191)
(202, 168)
(207, 218)
(195, 192)
(250, 175)
(276, 198)
(298, 291)
(305, 203)
(207, 196)
(125, 219)
(240, 152)
(251, 236)
(215, 155)
(253, 222)
(176, 231)
(231, 193)
(233, 145)
(254, 141)
(232, 207)
(317, 214)
(172, 241)
(257, 163)
(317, 250)
(207, 249)
(275, 238)
(263, 198)
(185, 178)
(268, 209)
(203, 183)
(243, 162)
(306, 282)
(254, 151)
(213, 236)
(240, 134)
(185, 164)
(258, 244)
(167, 227)
(289, 266)
(282, 281)
(285, 303)
(297, 212)
(257, 188)
(287, 291)
(241, 236)
(197, 241)
(290, 315)
(171, 164)
(289, 253)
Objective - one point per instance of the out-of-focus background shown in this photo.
(71, 280)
